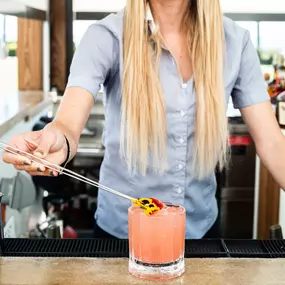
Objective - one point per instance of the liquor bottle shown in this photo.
(280, 109)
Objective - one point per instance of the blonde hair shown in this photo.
(143, 125)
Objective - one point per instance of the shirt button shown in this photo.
(180, 166)
(184, 85)
(181, 140)
(182, 113)
(179, 190)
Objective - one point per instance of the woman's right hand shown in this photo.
(48, 144)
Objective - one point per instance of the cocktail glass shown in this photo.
(157, 242)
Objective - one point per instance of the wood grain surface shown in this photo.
(16, 107)
(30, 54)
(61, 37)
(268, 204)
(79, 271)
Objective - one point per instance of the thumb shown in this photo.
(47, 140)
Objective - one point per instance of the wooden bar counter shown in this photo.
(87, 271)
(16, 107)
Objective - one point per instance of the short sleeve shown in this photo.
(93, 60)
(250, 87)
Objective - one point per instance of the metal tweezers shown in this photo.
(62, 170)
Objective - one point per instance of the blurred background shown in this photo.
(37, 42)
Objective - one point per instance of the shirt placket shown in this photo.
(180, 157)
(180, 138)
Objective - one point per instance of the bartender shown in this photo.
(169, 68)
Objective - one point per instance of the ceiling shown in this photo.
(228, 6)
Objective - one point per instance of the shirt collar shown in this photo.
(150, 19)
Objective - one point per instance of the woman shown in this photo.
(169, 67)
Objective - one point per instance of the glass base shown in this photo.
(156, 271)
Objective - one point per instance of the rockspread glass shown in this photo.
(157, 242)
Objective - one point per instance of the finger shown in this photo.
(37, 173)
(27, 142)
(35, 167)
(31, 168)
(47, 172)
(19, 142)
(47, 140)
(51, 173)
(15, 159)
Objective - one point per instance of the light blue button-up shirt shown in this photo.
(97, 60)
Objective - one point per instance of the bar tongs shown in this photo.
(61, 170)
(150, 205)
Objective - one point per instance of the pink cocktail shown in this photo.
(157, 242)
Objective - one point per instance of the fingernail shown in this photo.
(26, 162)
(51, 173)
(39, 169)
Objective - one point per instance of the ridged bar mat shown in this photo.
(113, 248)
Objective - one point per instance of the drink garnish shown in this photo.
(149, 205)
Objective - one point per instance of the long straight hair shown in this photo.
(143, 125)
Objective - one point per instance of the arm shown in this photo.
(72, 115)
(268, 138)
(251, 97)
(91, 65)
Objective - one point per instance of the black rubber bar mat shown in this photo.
(66, 247)
(247, 248)
(113, 248)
